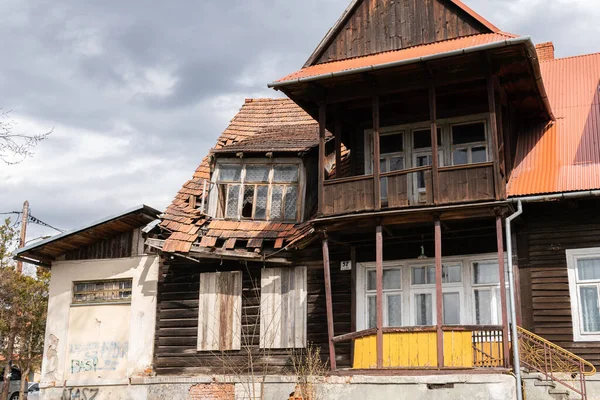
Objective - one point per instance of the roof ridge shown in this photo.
(571, 57)
(249, 100)
(500, 33)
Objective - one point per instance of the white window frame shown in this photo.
(214, 193)
(386, 292)
(469, 146)
(465, 288)
(495, 299)
(573, 255)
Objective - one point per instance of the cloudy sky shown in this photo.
(138, 91)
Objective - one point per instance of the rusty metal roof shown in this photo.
(565, 155)
(382, 59)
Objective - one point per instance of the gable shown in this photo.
(373, 26)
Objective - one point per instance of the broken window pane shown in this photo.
(230, 173)
(260, 210)
(276, 201)
(291, 200)
(257, 173)
(233, 199)
(248, 203)
(285, 173)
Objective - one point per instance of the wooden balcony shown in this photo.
(410, 188)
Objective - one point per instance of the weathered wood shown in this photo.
(351, 195)
(116, 246)
(494, 136)
(465, 184)
(283, 308)
(322, 160)
(435, 178)
(503, 302)
(376, 156)
(329, 304)
(438, 292)
(379, 301)
(338, 143)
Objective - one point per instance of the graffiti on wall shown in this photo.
(97, 356)
(79, 393)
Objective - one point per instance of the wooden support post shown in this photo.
(503, 303)
(338, 143)
(435, 179)
(376, 155)
(352, 297)
(379, 277)
(329, 304)
(494, 136)
(322, 124)
(439, 293)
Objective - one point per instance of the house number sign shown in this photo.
(346, 266)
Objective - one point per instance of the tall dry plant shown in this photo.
(308, 368)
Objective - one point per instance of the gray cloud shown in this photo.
(138, 91)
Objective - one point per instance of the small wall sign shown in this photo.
(346, 266)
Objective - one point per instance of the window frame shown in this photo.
(386, 293)
(219, 211)
(469, 146)
(495, 297)
(126, 300)
(572, 256)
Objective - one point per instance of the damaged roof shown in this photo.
(293, 138)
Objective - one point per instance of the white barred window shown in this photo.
(584, 286)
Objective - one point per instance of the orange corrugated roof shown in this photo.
(563, 156)
(398, 55)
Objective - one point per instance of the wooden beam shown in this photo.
(439, 293)
(494, 135)
(503, 303)
(352, 295)
(435, 177)
(338, 143)
(329, 304)
(322, 128)
(376, 156)
(379, 277)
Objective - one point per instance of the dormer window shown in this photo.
(256, 191)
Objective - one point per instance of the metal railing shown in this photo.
(555, 363)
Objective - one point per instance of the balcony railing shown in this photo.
(410, 188)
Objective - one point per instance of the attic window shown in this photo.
(105, 291)
(258, 192)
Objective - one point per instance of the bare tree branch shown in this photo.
(15, 147)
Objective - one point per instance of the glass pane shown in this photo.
(291, 202)
(478, 154)
(383, 185)
(483, 307)
(383, 165)
(590, 313)
(391, 143)
(422, 138)
(233, 200)
(430, 274)
(276, 201)
(257, 173)
(391, 279)
(451, 308)
(372, 311)
(230, 173)
(459, 157)
(468, 133)
(485, 272)
(418, 276)
(262, 194)
(396, 163)
(423, 309)
(371, 279)
(588, 269)
(451, 274)
(394, 306)
(285, 173)
(248, 202)
(422, 161)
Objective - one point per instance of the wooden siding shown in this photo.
(125, 244)
(549, 230)
(283, 308)
(219, 326)
(397, 191)
(384, 25)
(177, 319)
(471, 183)
(349, 195)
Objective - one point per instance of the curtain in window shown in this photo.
(589, 308)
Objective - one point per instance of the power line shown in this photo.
(33, 220)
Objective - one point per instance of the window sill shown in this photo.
(105, 303)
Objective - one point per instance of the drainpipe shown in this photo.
(513, 310)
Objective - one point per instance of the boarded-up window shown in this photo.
(219, 322)
(283, 308)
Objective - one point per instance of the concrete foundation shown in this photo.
(471, 387)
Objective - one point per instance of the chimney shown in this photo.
(545, 51)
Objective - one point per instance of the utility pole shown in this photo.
(24, 219)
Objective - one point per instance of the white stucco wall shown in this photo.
(120, 336)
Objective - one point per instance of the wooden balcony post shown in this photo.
(376, 155)
(438, 293)
(338, 143)
(503, 303)
(322, 125)
(494, 136)
(328, 303)
(435, 178)
(379, 300)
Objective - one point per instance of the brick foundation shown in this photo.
(212, 391)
